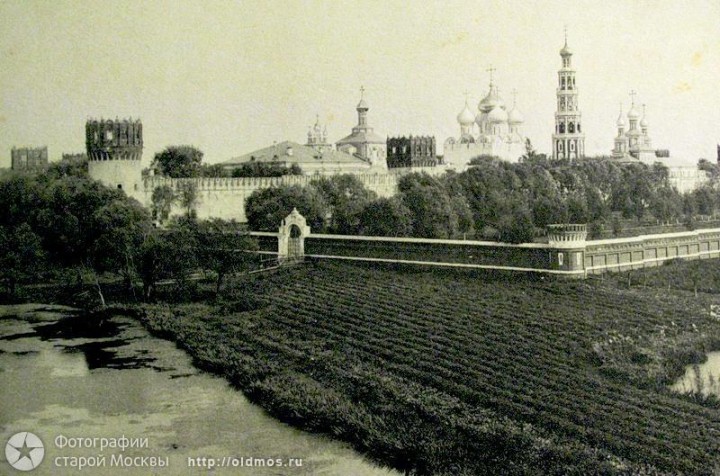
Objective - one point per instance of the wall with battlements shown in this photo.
(225, 197)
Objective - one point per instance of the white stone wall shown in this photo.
(225, 197)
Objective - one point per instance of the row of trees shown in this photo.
(60, 221)
(493, 199)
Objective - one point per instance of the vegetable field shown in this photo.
(455, 373)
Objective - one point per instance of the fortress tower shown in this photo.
(114, 150)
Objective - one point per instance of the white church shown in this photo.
(498, 132)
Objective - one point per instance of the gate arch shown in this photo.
(291, 237)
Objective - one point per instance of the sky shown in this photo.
(230, 77)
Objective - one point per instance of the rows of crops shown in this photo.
(455, 355)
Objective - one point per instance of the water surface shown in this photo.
(113, 380)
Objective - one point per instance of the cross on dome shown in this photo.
(491, 70)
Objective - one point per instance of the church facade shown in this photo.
(363, 142)
(498, 133)
(633, 143)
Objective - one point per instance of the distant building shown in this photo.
(413, 151)
(317, 138)
(29, 158)
(687, 179)
(311, 160)
(363, 142)
(634, 143)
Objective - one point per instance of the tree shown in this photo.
(214, 170)
(181, 161)
(21, 255)
(385, 217)
(122, 226)
(432, 210)
(188, 197)
(162, 201)
(265, 209)
(265, 169)
(224, 249)
(168, 254)
(345, 197)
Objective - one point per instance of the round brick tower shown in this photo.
(114, 150)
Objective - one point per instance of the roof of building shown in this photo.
(360, 136)
(301, 154)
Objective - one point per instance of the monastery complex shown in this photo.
(114, 149)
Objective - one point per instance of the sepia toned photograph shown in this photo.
(360, 238)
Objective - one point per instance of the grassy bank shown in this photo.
(451, 374)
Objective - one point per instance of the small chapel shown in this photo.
(633, 143)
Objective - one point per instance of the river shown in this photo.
(60, 380)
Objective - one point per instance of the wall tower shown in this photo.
(568, 139)
(114, 150)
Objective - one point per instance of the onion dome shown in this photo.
(566, 51)
(490, 101)
(497, 115)
(515, 117)
(362, 104)
(633, 114)
(466, 117)
(481, 118)
(621, 119)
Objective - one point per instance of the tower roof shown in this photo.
(565, 51)
(621, 119)
(362, 105)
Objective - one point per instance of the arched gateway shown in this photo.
(291, 237)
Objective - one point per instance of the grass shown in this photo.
(460, 373)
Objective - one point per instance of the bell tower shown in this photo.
(569, 138)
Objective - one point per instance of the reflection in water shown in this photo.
(59, 379)
(703, 378)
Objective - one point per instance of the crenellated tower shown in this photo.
(568, 139)
(114, 150)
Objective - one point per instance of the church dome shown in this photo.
(481, 118)
(621, 120)
(633, 114)
(497, 115)
(466, 117)
(490, 101)
(515, 117)
(566, 51)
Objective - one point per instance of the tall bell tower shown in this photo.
(568, 139)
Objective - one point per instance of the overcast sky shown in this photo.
(233, 76)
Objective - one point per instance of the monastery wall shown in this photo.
(567, 254)
(225, 197)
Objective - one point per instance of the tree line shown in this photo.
(61, 224)
(492, 199)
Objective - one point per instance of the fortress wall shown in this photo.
(225, 197)
(623, 254)
(572, 260)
